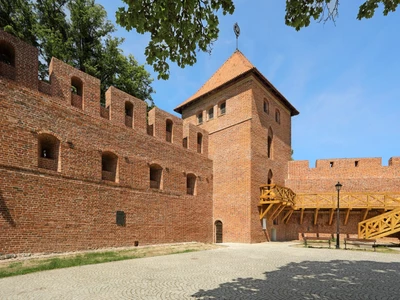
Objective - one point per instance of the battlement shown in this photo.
(358, 174)
(80, 92)
(340, 165)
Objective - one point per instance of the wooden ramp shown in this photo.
(276, 200)
(380, 226)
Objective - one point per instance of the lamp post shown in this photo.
(338, 187)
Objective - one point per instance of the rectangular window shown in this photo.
(222, 108)
(200, 118)
(210, 113)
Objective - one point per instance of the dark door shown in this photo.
(218, 232)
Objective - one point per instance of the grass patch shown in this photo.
(13, 268)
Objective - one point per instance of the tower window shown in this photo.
(199, 143)
(266, 106)
(200, 118)
(222, 108)
(278, 116)
(210, 113)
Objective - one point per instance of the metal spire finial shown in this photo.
(236, 30)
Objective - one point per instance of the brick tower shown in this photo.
(249, 125)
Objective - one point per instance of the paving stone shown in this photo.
(237, 271)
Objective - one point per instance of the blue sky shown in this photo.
(344, 78)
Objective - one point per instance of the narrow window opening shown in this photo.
(76, 92)
(200, 118)
(222, 108)
(277, 116)
(185, 142)
(275, 221)
(266, 106)
(191, 184)
(168, 130)
(210, 113)
(269, 143)
(199, 143)
(356, 163)
(128, 114)
(109, 166)
(155, 177)
(331, 164)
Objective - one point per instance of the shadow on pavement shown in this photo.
(335, 279)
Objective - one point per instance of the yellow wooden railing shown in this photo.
(276, 197)
(386, 201)
(380, 226)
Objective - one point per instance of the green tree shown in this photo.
(300, 12)
(17, 18)
(179, 28)
(83, 40)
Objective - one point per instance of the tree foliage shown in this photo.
(300, 12)
(79, 33)
(179, 28)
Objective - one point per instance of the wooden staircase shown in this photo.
(275, 199)
(380, 226)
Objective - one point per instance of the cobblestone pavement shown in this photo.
(238, 271)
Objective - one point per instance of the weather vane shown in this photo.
(236, 30)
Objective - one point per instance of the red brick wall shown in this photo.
(368, 176)
(73, 208)
(229, 148)
(262, 123)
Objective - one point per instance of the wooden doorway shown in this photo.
(218, 231)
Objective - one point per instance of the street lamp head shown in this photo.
(338, 186)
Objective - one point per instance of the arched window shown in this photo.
(48, 152)
(199, 143)
(129, 114)
(191, 184)
(76, 92)
(168, 130)
(266, 106)
(269, 142)
(155, 176)
(109, 166)
(7, 59)
(277, 116)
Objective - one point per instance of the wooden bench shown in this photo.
(360, 242)
(317, 238)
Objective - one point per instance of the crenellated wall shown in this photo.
(67, 164)
(356, 175)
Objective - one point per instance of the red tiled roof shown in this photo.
(234, 67)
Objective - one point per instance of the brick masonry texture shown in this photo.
(71, 207)
(68, 165)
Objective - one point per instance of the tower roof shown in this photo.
(234, 68)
